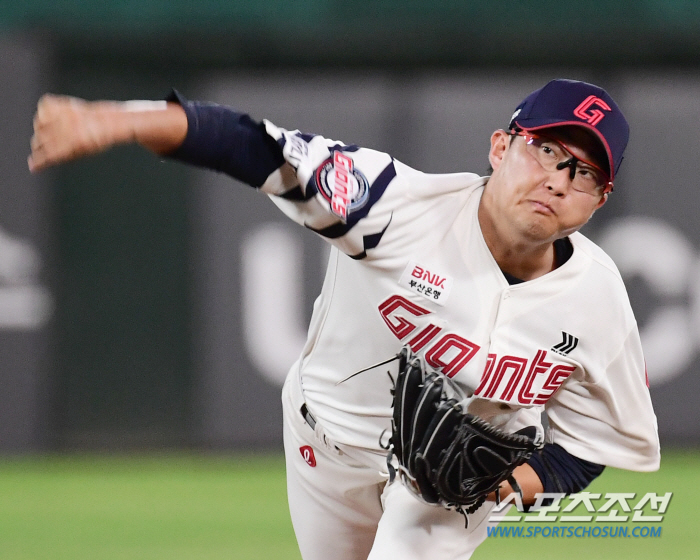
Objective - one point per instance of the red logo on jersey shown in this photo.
(508, 378)
(343, 186)
(341, 191)
(450, 353)
(503, 380)
(308, 454)
(594, 116)
(391, 311)
(432, 279)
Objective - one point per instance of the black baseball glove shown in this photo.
(447, 456)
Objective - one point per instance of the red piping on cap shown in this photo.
(611, 162)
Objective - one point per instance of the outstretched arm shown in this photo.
(286, 165)
(67, 128)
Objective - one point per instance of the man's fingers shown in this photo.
(57, 125)
(33, 164)
(36, 161)
(44, 108)
(67, 128)
(35, 143)
(47, 153)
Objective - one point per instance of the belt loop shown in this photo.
(310, 420)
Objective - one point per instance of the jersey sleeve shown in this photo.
(608, 418)
(338, 191)
(334, 189)
(222, 139)
(560, 471)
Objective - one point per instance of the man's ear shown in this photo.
(500, 141)
(603, 200)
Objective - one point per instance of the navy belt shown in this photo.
(310, 420)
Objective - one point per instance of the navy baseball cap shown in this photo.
(568, 102)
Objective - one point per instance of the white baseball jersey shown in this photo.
(410, 266)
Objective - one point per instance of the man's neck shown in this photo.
(518, 257)
(524, 265)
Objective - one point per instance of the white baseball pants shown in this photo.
(343, 509)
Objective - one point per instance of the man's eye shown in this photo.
(588, 173)
(549, 150)
(591, 176)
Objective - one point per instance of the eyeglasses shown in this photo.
(553, 155)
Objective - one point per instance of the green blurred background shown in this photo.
(214, 507)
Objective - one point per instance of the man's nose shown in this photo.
(560, 180)
(571, 164)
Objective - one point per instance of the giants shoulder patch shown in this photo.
(344, 187)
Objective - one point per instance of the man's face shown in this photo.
(529, 204)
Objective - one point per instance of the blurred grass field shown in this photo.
(214, 507)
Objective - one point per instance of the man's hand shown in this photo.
(67, 128)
